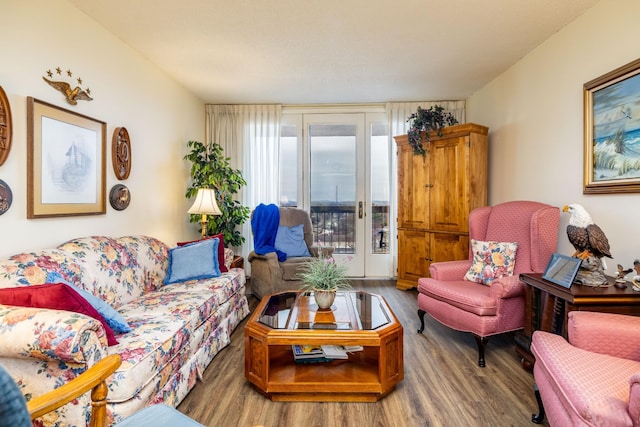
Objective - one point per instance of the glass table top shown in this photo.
(351, 310)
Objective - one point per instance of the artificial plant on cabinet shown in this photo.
(424, 121)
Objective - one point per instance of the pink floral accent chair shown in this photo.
(494, 306)
(594, 378)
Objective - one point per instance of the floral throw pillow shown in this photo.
(491, 260)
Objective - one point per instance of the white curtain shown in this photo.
(250, 136)
(397, 114)
(224, 127)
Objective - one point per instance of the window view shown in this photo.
(379, 189)
(288, 166)
(333, 185)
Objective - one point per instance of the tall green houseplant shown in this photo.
(211, 169)
(432, 119)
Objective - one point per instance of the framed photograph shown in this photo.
(612, 132)
(65, 162)
(562, 270)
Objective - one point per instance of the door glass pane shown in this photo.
(332, 151)
(288, 166)
(380, 192)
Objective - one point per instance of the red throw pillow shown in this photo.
(56, 296)
(221, 264)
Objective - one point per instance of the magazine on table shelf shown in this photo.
(308, 354)
(324, 353)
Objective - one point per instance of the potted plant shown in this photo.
(211, 169)
(324, 276)
(423, 122)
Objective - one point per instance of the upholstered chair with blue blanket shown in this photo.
(294, 238)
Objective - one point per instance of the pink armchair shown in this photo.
(594, 379)
(486, 310)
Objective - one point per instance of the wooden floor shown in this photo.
(443, 385)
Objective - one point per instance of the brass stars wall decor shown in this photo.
(71, 95)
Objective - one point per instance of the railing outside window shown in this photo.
(333, 226)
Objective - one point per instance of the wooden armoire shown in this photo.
(436, 192)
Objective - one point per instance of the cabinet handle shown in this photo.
(429, 185)
(360, 210)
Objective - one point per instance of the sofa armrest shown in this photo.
(270, 256)
(507, 287)
(50, 335)
(228, 257)
(613, 334)
(327, 251)
(634, 398)
(449, 270)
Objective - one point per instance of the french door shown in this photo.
(343, 180)
(334, 147)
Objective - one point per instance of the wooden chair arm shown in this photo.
(92, 379)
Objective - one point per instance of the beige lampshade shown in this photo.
(205, 203)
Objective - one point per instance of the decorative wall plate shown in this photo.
(5, 126)
(6, 197)
(121, 153)
(119, 197)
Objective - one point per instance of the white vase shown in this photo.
(324, 299)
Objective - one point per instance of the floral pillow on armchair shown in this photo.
(491, 260)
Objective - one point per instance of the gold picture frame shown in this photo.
(65, 162)
(612, 132)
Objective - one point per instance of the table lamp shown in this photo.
(205, 204)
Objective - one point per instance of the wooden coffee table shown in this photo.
(356, 318)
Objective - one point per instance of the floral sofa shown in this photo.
(176, 329)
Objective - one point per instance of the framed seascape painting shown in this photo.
(612, 132)
(65, 162)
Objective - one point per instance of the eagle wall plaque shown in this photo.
(72, 95)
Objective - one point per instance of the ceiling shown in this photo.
(333, 51)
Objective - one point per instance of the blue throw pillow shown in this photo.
(290, 240)
(110, 314)
(193, 261)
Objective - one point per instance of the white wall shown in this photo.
(160, 115)
(535, 114)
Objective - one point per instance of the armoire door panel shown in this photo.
(448, 247)
(449, 207)
(413, 183)
(414, 244)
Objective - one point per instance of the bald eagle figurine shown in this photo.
(585, 236)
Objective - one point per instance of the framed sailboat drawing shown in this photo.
(65, 162)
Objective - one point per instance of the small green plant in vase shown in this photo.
(324, 276)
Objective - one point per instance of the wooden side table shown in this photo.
(547, 306)
(238, 262)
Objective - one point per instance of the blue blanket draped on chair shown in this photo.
(264, 223)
